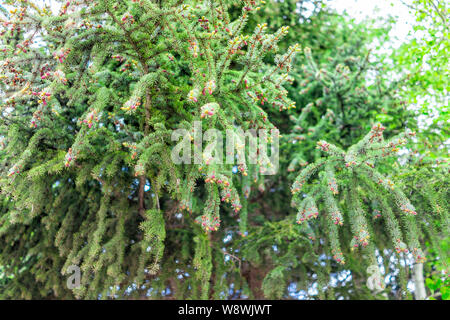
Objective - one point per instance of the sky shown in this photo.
(360, 9)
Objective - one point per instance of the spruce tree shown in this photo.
(91, 94)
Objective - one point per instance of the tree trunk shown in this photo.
(254, 277)
(419, 283)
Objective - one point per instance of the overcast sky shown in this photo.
(360, 9)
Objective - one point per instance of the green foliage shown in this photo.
(91, 94)
(422, 61)
(437, 281)
(357, 172)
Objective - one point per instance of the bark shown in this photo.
(254, 277)
(419, 283)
